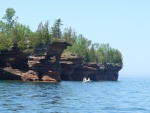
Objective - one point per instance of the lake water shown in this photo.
(122, 96)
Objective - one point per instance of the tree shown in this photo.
(10, 13)
(40, 33)
(106, 54)
(6, 27)
(14, 33)
(5, 42)
(43, 33)
(8, 17)
(56, 31)
(46, 33)
(69, 35)
(21, 34)
(81, 48)
(2, 27)
(92, 54)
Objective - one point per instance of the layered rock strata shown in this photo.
(42, 66)
(13, 63)
(49, 65)
(74, 70)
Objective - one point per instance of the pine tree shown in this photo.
(56, 29)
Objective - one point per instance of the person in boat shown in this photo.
(86, 80)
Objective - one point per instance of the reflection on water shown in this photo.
(74, 97)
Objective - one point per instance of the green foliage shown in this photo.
(80, 47)
(98, 53)
(5, 42)
(69, 35)
(43, 34)
(92, 54)
(9, 22)
(56, 31)
(12, 32)
(10, 13)
(20, 32)
(108, 55)
(2, 27)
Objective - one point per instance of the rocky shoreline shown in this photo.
(74, 69)
(49, 65)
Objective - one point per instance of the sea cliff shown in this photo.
(49, 65)
(74, 69)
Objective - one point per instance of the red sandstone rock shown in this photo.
(44, 64)
(73, 69)
(46, 61)
(51, 78)
(30, 76)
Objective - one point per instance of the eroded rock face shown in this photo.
(48, 65)
(8, 73)
(46, 61)
(108, 71)
(42, 66)
(12, 64)
(30, 76)
(13, 58)
(73, 69)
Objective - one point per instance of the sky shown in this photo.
(123, 24)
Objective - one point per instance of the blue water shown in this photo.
(123, 96)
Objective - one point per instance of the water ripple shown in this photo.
(124, 96)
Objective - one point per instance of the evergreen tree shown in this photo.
(92, 54)
(43, 34)
(56, 29)
(46, 33)
(40, 33)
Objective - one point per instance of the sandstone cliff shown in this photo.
(42, 66)
(12, 64)
(73, 69)
(48, 64)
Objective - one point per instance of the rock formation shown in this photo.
(48, 64)
(12, 64)
(73, 69)
(42, 66)
(45, 62)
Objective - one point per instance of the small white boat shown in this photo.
(86, 80)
